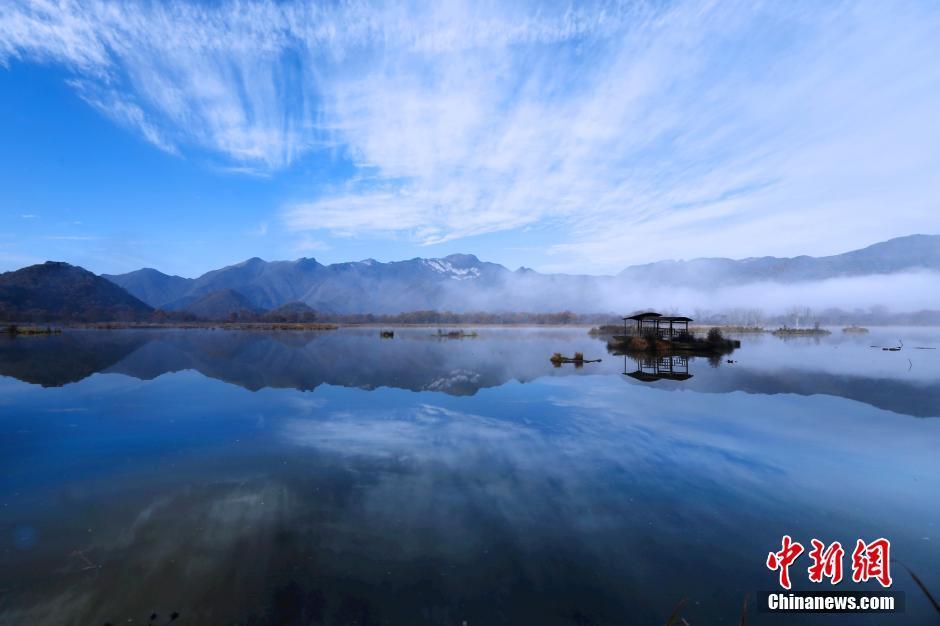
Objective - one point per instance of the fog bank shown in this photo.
(901, 292)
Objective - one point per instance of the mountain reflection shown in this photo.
(418, 361)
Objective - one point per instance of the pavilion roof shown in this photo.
(643, 316)
(656, 316)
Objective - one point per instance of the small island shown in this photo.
(815, 331)
(455, 334)
(653, 333)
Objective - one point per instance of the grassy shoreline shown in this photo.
(294, 325)
(593, 329)
(15, 330)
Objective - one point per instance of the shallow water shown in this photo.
(340, 478)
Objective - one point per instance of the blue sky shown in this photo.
(577, 137)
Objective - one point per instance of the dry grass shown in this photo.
(15, 329)
(729, 328)
(785, 331)
(278, 326)
(455, 334)
(578, 359)
(211, 325)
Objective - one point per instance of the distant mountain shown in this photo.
(342, 287)
(221, 305)
(265, 285)
(888, 257)
(461, 282)
(59, 291)
(153, 287)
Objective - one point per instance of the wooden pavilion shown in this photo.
(664, 326)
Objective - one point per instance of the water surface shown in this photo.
(340, 478)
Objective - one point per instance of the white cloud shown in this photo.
(706, 129)
(309, 244)
(632, 131)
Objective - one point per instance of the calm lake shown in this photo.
(239, 477)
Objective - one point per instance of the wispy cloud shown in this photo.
(707, 127)
(307, 243)
(704, 126)
(123, 111)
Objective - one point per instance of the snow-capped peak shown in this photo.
(443, 266)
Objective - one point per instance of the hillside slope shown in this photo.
(59, 291)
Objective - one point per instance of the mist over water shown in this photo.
(901, 292)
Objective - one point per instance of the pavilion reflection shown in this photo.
(659, 367)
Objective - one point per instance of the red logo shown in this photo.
(869, 561)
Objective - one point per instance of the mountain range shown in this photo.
(459, 282)
(888, 257)
(364, 286)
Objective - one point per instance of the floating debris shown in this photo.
(87, 563)
(387, 334)
(455, 334)
(578, 358)
(786, 331)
